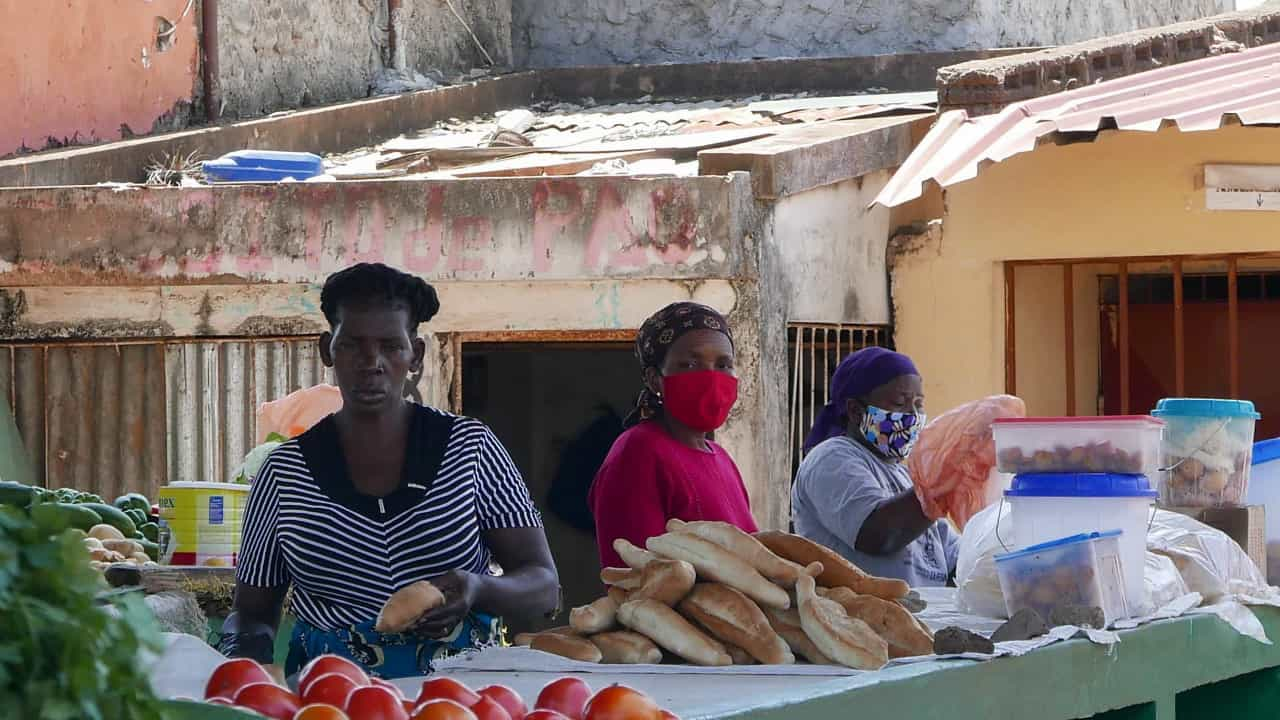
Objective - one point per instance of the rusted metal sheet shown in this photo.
(213, 389)
(91, 416)
(112, 418)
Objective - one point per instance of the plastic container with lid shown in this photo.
(263, 166)
(1264, 489)
(1124, 445)
(1083, 569)
(1051, 506)
(1208, 452)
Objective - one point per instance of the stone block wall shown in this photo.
(587, 32)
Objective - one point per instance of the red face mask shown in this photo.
(701, 400)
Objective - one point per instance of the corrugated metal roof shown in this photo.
(1193, 96)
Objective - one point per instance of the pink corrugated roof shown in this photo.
(1193, 96)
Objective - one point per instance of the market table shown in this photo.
(1189, 667)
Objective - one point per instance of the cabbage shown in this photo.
(254, 461)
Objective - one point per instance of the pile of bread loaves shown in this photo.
(714, 595)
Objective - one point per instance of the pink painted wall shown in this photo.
(78, 70)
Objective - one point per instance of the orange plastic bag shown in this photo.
(295, 413)
(953, 464)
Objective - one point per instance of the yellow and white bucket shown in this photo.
(204, 521)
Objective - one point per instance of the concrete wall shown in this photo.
(507, 256)
(295, 53)
(82, 72)
(832, 252)
(583, 32)
(433, 38)
(1137, 194)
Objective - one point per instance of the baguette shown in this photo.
(848, 641)
(633, 556)
(618, 595)
(739, 656)
(666, 581)
(406, 605)
(733, 619)
(836, 570)
(623, 647)
(625, 578)
(673, 633)
(569, 646)
(888, 619)
(526, 639)
(599, 616)
(733, 539)
(787, 624)
(713, 562)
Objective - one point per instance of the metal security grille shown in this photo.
(816, 350)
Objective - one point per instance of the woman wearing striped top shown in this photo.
(380, 495)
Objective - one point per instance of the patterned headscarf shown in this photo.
(857, 376)
(656, 337)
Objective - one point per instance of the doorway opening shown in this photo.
(557, 407)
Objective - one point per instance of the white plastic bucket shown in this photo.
(1048, 507)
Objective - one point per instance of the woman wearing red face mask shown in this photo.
(665, 465)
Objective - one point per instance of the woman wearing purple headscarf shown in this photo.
(852, 492)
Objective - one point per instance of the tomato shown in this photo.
(667, 715)
(326, 664)
(618, 702)
(330, 689)
(442, 709)
(490, 709)
(509, 699)
(375, 703)
(388, 685)
(269, 699)
(232, 675)
(567, 696)
(320, 711)
(448, 689)
(545, 715)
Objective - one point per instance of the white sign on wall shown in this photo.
(1242, 187)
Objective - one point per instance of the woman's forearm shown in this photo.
(529, 592)
(893, 526)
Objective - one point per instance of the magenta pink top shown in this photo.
(649, 478)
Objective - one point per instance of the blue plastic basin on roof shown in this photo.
(1266, 451)
(1060, 542)
(1100, 485)
(1205, 407)
(263, 166)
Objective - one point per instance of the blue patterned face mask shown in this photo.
(894, 434)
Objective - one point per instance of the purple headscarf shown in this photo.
(858, 375)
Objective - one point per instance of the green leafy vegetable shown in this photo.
(64, 655)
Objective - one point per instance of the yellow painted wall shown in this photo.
(1126, 194)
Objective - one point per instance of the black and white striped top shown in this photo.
(345, 553)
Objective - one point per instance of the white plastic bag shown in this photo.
(1210, 562)
(1163, 581)
(977, 584)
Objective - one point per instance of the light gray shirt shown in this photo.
(839, 484)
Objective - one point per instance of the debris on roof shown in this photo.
(646, 136)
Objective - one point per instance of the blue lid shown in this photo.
(1204, 407)
(1060, 542)
(1080, 485)
(275, 159)
(263, 166)
(1266, 451)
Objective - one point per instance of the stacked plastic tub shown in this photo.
(1081, 476)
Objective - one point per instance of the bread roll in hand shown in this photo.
(407, 605)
